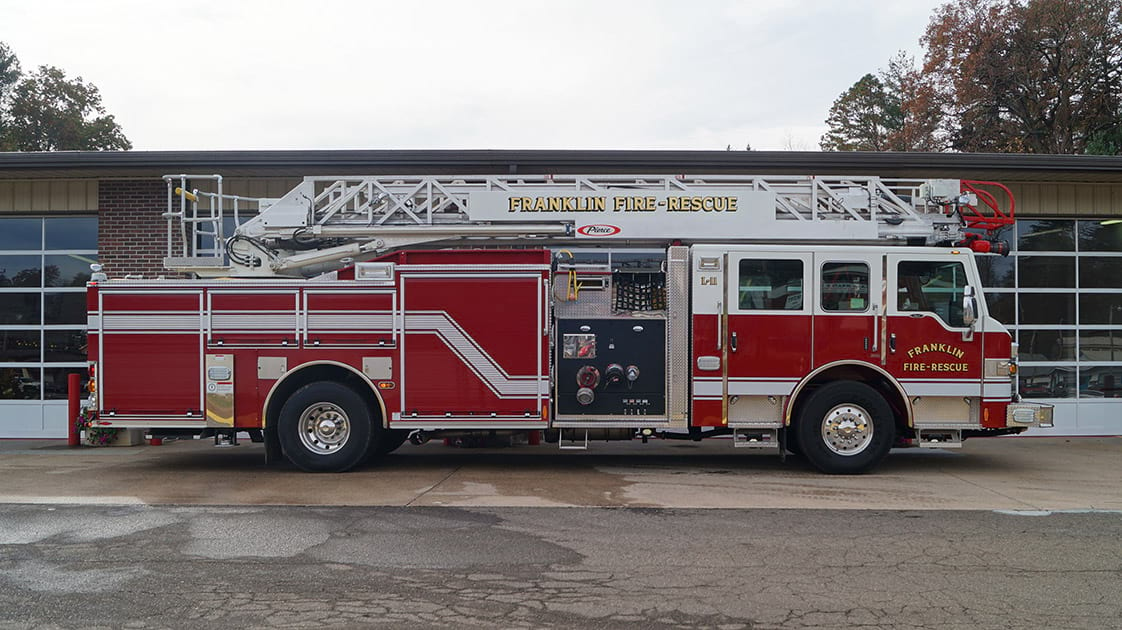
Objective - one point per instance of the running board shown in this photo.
(755, 438)
(939, 438)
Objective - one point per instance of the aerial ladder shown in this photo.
(327, 222)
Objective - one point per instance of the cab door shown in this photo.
(931, 348)
(767, 333)
(849, 307)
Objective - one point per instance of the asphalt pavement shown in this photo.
(1023, 533)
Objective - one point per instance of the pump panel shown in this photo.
(611, 367)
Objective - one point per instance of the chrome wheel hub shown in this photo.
(324, 428)
(847, 429)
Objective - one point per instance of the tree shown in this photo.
(1035, 76)
(1106, 142)
(9, 77)
(1043, 76)
(47, 111)
(863, 118)
(878, 114)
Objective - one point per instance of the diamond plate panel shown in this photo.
(677, 335)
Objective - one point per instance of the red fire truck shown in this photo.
(833, 317)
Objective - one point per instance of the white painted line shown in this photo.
(1051, 512)
(42, 500)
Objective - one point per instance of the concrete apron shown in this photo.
(1022, 475)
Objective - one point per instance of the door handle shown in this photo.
(732, 342)
(892, 343)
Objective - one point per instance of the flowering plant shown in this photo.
(94, 435)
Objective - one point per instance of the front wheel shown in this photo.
(325, 427)
(388, 441)
(845, 428)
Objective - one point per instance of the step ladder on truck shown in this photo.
(831, 317)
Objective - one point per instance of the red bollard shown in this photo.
(74, 397)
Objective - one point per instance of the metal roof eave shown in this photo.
(289, 163)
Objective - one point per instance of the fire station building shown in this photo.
(1059, 290)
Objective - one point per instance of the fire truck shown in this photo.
(830, 317)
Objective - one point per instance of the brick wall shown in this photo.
(131, 234)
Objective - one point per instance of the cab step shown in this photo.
(939, 438)
(755, 438)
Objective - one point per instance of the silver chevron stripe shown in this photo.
(472, 355)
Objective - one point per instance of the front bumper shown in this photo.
(1028, 415)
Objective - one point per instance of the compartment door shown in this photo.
(474, 350)
(151, 354)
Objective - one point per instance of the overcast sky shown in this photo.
(471, 74)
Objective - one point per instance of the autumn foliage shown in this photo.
(1032, 76)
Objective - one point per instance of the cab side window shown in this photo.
(932, 286)
(845, 287)
(770, 285)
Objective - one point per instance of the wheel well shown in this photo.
(861, 374)
(304, 375)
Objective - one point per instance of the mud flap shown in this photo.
(273, 453)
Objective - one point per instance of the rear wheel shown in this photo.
(845, 428)
(325, 427)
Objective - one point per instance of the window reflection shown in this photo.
(1046, 308)
(1100, 345)
(55, 382)
(1047, 382)
(1100, 308)
(1002, 306)
(71, 233)
(1094, 236)
(996, 271)
(20, 233)
(1047, 345)
(1045, 235)
(19, 309)
(1047, 271)
(67, 270)
(21, 271)
(1100, 382)
(1100, 272)
(64, 308)
(20, 383)
(64, 346)
(19, 346)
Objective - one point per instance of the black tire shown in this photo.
(388, 440)
(845, 428)
(791, 441)
(325, 427)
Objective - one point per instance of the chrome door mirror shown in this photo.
(969, 306)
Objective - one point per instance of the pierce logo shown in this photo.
(598, 229)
